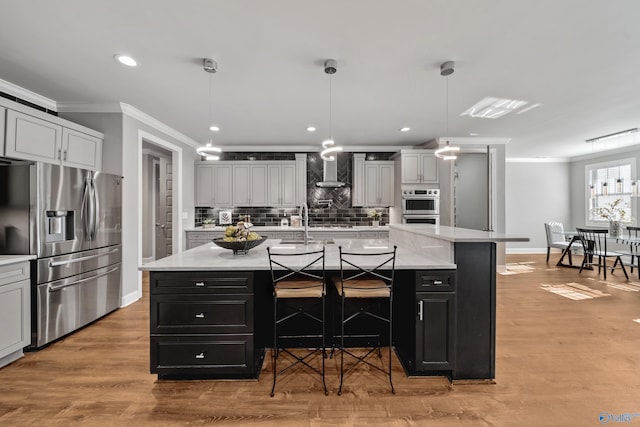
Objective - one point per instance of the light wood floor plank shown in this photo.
(560, 362)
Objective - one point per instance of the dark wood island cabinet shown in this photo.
(211, 310)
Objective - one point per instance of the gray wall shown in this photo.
(536, 193)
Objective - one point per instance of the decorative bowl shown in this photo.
(239, 247)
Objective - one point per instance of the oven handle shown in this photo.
(84, 258)
(57, 288)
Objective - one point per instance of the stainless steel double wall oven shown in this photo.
(71, 220)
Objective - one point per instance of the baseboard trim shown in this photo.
(531, 250)
(130, 298)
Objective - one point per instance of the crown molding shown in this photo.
(313, 148)
(471, 140)
(130, 111)
(27, 95)
(537, 160)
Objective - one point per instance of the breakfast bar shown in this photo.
(211, 310)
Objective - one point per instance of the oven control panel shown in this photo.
(433, 192)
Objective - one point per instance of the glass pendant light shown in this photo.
(634, 189)
(209, 152)
(447, 152)
(619, 185)
(592, 191)
(605, 189)
(328, 145)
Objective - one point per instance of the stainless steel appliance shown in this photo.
(71, 220)
(420, 201)
(421, 219)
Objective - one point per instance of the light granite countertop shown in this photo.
(12, 259)
(212, 257)
(455, 234)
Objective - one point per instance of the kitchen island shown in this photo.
(211, 311)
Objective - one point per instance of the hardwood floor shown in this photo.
(560, 362)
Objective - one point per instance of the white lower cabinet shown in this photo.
(15, 314)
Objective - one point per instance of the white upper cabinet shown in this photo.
(282, 185)
(213, 185)
(222, 190)
(204, 185)
(419, 168)
(81, 150)
(249, 185)
(373, 182)
(358, 181)
(33, 138)
(378, 183)
(229, 184)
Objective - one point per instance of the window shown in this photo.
(607, 182)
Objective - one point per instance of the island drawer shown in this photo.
(226, 355)
(230, 314)
(185, 282)
(435, 281)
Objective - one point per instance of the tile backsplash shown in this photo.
(339, 213)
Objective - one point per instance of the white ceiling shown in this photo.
(579, 58)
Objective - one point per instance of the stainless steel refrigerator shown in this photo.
(71, 220)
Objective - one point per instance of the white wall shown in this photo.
(535, 193)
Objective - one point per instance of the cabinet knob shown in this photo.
(59, 154)
(200, 316)
(200, 355)
(65, 155)
(200, 284)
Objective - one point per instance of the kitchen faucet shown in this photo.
(303, 212)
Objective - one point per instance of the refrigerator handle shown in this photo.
(85, 209)
(96, 208)
(77, 282)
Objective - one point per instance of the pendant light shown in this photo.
(447, 152)
(328, 145)
(209, 151)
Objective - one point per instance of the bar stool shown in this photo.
(361, 283)
(297, 276)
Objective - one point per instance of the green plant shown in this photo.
(618, 210)
(375, 215)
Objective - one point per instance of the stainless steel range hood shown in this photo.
(330, 175)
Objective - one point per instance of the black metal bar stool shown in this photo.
(366, 278)
(297, 276)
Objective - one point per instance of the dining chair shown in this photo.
(298, 277)
(366, 281)
(556, 238)
(594, 246)
(634, 249)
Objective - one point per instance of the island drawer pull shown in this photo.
(200, 284)
(200, 315)
(200, 356)
(437, 282)
(420, 307)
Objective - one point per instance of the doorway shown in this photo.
(157, 233)
(474, 190)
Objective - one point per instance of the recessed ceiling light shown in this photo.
(126, 60)
(311, 129)
(214, 128)
(493, 108)
(405, 129)
(473, 134)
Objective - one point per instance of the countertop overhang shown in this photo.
(212, 257)
(455, 234)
